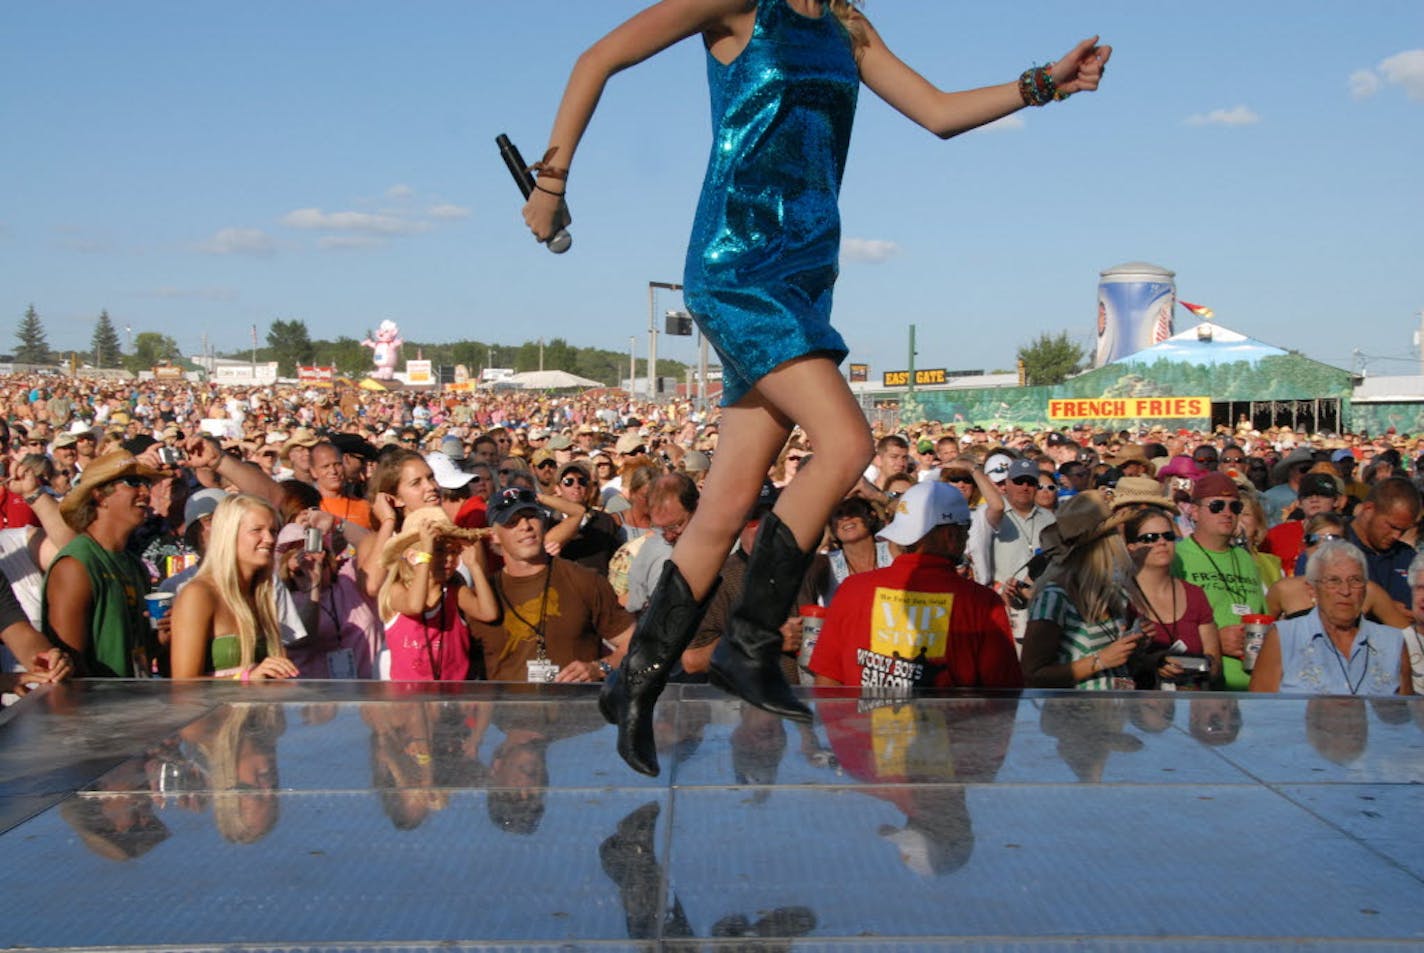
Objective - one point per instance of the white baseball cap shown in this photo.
(996, 467)
(923, 507)
(447, 475)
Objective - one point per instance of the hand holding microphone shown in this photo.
(560, 241)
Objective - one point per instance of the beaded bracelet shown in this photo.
(1037, 88)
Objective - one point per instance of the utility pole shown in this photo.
(632, 365)
(911, 383)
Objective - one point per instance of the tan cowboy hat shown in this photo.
(416, 523)
(1141, 491)
(1132, 453)
(1083, 519)
(101, 472)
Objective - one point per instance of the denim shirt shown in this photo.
(1311, 665)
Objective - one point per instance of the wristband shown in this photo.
(1097, 663)
(245, 675)
(418, 557)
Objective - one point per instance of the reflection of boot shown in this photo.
(664, 630)
(629, 861)
(783, 923)
(747, 660)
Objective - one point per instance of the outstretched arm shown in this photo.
(647, 33)
(948, 114)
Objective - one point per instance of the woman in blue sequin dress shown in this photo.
(783, 77)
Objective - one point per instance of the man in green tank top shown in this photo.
(93, 592)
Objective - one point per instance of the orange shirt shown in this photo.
(352, 511)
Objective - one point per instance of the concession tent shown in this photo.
(1206, 376)
(550, 380)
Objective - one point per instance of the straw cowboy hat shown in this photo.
(101, 472)
(429, 518)
(1141, 491)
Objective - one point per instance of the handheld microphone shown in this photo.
(561, 240)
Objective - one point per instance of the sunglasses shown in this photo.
(1047, 487)
(504, 472)
(573, 481)
(1312, 538)
(546, 465)
(795, 458)
(1233, 459)
(1024, 481)
(1216, 506)
(960, 479)
(134, 481)
(1147, 539)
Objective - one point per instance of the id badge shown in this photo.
(1240, 608)
(341, 664)
(542, 670)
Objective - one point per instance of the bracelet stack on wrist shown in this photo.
(1037, 88)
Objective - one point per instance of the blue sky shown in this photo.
(197, 168)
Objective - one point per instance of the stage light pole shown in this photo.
(653, 287)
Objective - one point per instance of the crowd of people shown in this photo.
(187, 531)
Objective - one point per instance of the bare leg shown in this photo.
(809, 391)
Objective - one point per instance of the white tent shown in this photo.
(549, 380)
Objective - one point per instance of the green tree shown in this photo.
(151, 348)
(290, 345)
(34, 348)
(105, 343)
(1050, 359)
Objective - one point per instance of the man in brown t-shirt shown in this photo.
(555, 615)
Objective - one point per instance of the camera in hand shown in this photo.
(170, 456)
(1196, 669)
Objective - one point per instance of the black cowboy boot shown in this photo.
(664, 630)
(747, 660)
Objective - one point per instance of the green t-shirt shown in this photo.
(117, 624)
(1232, 581)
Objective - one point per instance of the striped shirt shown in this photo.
(1080, 639)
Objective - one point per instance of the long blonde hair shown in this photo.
(847, 11)
(255, 611)
(1094, 576)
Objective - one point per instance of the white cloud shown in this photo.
(448, 212)
(363, 222)
(1363, 84)
(190, 294)
(873, 250)
(349, 242)
(1005, 124)
(1406, 69)
(399, 191)
(1235, 116)
(239, 241)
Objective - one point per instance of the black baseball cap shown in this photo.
(1318, 484)
(510, 502)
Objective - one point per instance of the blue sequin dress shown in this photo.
(763, 255)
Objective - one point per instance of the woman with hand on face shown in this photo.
(225, 622)
(402, 483)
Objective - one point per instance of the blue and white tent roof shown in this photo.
(1205, 343)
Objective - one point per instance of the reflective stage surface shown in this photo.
(369, 816)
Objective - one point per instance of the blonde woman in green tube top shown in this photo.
(225, 620)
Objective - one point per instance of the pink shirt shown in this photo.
(435, 648)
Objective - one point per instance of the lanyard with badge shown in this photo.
(540, 668)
